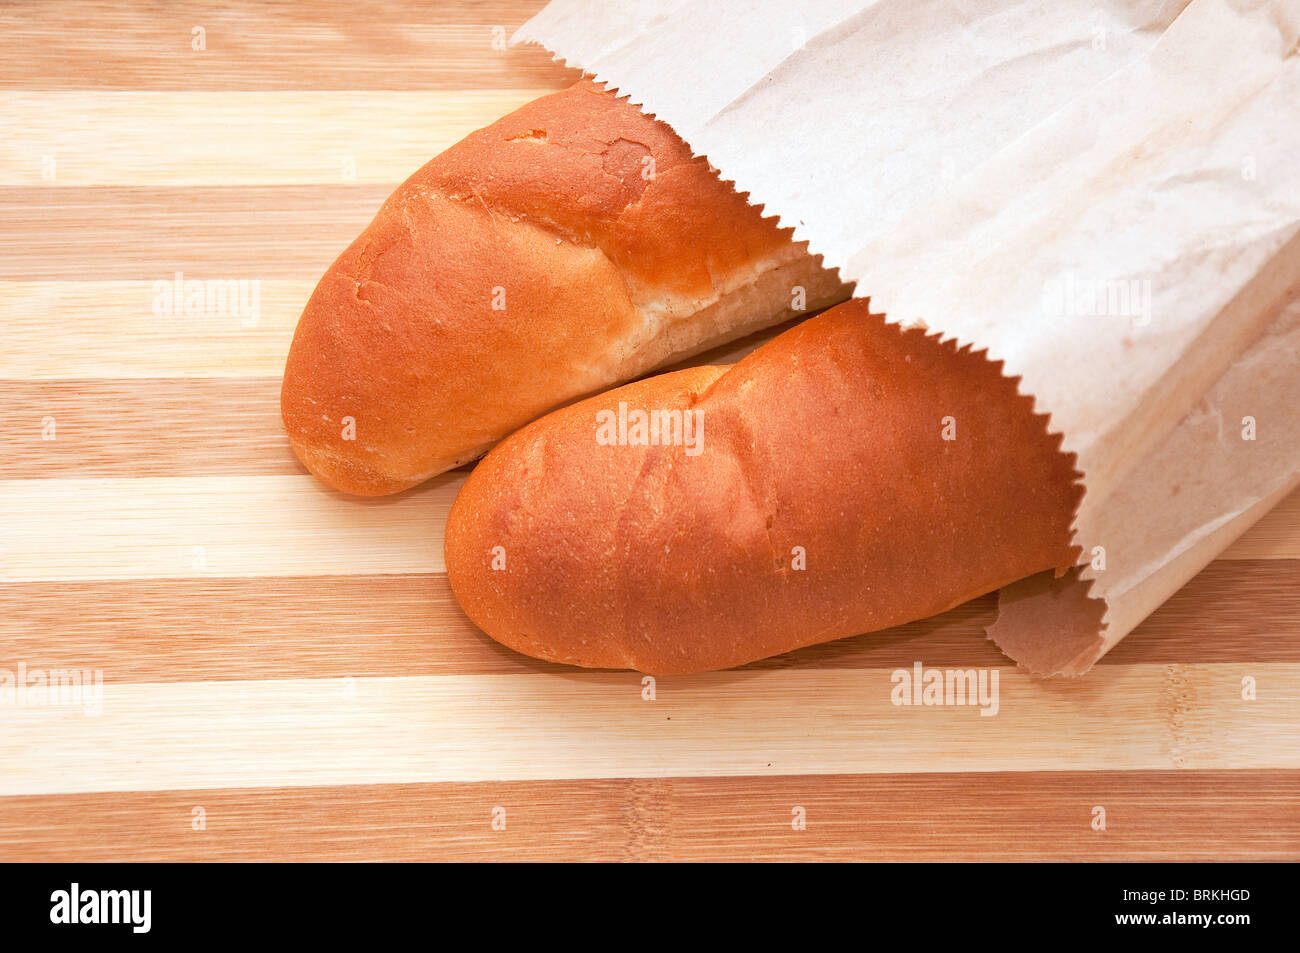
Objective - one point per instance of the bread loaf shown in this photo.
(845, 477)
(568, 247)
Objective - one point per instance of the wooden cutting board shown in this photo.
(285, 674)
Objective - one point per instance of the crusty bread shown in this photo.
(568, 247)
(829, 441)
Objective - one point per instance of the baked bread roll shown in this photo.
(568, 247)
(845, 477)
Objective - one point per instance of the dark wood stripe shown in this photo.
(144, 428)
(274, 627)
(326, 44)
(1233, 610)
(1150, 815)
(327, 627)
(210, 232)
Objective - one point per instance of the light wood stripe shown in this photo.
(129, 233)
(117, 528)
(1151, 815)
(106, 137)
(217, 526)
(331, 627)
(167, 736)
(109, 329)
(328, 44)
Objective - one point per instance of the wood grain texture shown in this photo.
(1276, 536)
(293, 661)
(218, 525)
(77, 428)
(181, 630)
(237, 525)
(110, 137)
(110, 331)
(327, 44)
(1151, 815)
(143, 736)
(205, 232)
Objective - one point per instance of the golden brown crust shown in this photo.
(829, 441)
(567, 247)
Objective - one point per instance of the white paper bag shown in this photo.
(1104, 195)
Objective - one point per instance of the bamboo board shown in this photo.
(285, 673)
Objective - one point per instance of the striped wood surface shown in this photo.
(286, 674)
